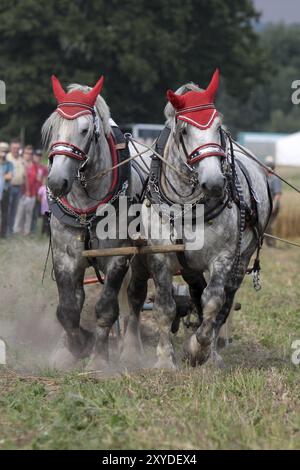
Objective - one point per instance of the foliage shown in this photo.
(269, 107)
(143, 48)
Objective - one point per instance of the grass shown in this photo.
(288, 222)
(251, 404)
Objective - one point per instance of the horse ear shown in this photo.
(176, 100)
(92, 95)
(58, 90)
(213, 86)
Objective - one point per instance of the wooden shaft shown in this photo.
(133, 250)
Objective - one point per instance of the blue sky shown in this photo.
(287, 11)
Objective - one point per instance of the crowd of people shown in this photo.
(23, 193)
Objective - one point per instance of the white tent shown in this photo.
(288, 150)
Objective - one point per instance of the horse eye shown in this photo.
(184, 131)
(84, 131)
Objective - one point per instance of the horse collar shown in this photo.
(72, 216)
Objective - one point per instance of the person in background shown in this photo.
(42, 196)
(6, 174)
(26, 204)
(14, 156)
(41, 173)
(276, 191)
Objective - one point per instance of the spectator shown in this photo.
(275, 190)
(42, 196)
(6, 174)
(17, 181)
(26, 204)
(41, 173)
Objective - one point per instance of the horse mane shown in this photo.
(56, 122)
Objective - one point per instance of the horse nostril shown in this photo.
(65, 186)
(204, 186)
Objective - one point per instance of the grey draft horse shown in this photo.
(80, 138)
(234, 191)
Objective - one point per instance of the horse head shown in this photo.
(198, 125)
(71, 133)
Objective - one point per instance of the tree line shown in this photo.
(143, 48)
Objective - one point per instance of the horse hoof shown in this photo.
(218, 360)
(97, 364)
(132, 356)
(63, 359)
(131, 361)
(197, 351)
(166, 364)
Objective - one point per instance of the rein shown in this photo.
(250, 155)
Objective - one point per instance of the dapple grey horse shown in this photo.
(78, 137)
(200, 151)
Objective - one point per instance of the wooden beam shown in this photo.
(133, 250)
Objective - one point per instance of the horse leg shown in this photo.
(107, 312)
(200, 344)
(132, 352)
(76, 340)
(197, 283)
(224, 312)
(230, 291)
(165, 312)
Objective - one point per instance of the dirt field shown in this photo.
(252, 403)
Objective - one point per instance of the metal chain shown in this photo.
(82, 220)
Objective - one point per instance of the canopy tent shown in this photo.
(288, 150)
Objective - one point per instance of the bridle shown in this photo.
(72, 151)
(205, 150)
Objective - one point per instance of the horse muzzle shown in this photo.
(59, 181)
(214, 188)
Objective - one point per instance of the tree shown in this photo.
(270, 107)
(143, 48)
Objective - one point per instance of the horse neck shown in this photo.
(98, 187)
(171, 180)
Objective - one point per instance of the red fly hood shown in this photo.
(75, 103)
(197, 107)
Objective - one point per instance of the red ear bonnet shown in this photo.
(75, 103)
(197, 107)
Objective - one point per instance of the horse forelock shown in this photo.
(56, 123)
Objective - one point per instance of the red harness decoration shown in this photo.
(72, 105)
(197, 109)
(76, 103)
(68, 150)
(198, 116)
(206, 150)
